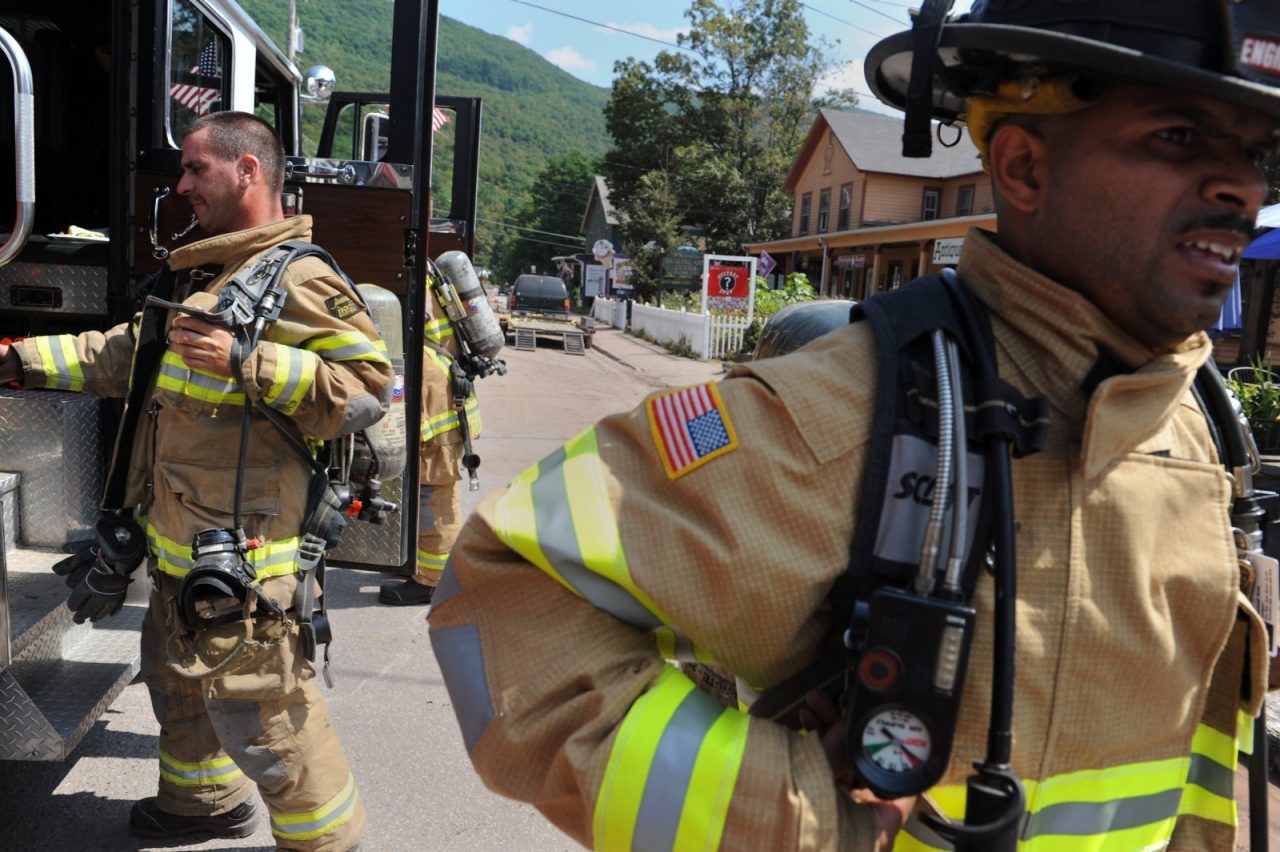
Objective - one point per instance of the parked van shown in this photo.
(539, 294)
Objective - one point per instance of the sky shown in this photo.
(588, 50)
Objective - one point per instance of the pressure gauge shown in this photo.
(896, 740)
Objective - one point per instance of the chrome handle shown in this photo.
(345, 173)
(191, 226)
(24, 145)
(158, 251)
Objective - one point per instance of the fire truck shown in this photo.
(95, 98)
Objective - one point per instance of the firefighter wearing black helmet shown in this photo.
(1124, 142)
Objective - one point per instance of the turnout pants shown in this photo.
(439, 508)
(261, 722)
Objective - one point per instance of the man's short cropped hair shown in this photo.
(232, 134)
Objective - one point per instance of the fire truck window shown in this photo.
(443, 146)
(197, 66)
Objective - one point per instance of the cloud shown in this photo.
(522, 33)
(569, 59)
(644, 29)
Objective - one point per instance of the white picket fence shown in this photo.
(709, 336)
(610, 311)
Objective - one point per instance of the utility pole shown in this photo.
(292, 38)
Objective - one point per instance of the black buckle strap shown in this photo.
(926, 33)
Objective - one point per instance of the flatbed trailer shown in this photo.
(523, 330)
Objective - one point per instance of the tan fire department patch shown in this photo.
(342, 307)
(690, 427)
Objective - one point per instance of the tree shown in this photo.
(652, 223)
(722, 120)
(552, 217)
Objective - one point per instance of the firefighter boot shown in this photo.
(405, 593)
(147, 820)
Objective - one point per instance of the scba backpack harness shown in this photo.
(946, 424)
(222, 587)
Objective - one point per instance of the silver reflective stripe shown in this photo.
(559, 542)
(220, 386)
(293, 829)
(667, 786)
(461, 660)
(350, 351)
(285, 398)
(59, 356)
(1081, 819)
(1213, 776)
(446, 588)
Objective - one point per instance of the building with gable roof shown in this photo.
(866, 219)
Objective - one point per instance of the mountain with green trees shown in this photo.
(533, 113)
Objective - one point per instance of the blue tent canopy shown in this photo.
(1265, 247)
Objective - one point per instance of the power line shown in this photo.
(841, 20)
(897, 21)
(599, 24)
(530, 230)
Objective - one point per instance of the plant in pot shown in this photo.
(1258, 390)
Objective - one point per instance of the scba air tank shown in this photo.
(478, 324)
(388, 436)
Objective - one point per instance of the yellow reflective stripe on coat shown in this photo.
(177, 377)
(558, 516)
(222, 770)
(59, 363)
(438, 330)
(672, 770)
(308, 825)
(348, 346)
(1134, 806)
(295, 374)
(273, 559)
(448, 421)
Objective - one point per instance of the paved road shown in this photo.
(389, 703)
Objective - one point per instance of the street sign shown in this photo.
(766, 264)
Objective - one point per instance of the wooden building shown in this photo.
(865, 218)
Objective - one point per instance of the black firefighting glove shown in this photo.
(99, 575)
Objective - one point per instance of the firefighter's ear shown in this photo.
(247, 168)
(1017, 155)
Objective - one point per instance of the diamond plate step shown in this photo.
(574, 343)
(62, 675)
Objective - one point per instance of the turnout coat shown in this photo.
(711, 524)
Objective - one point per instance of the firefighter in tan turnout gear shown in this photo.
(440, 451)
(256, 717)
(1125, 147)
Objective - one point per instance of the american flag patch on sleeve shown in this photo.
(690, 427)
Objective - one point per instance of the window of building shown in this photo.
(930, 208)
(824, 209)
(198, 55)
(846, 199)
(964, 201)
(806, 201)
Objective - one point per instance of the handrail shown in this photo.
(24, 147)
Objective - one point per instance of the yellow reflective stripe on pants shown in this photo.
(198, 774)
(273, 559)
(295, 373)
(1210, 790)
(671, 772)
(431, 561)
(558, 516)
(176, 376)
(59, 362)
(309, 825)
